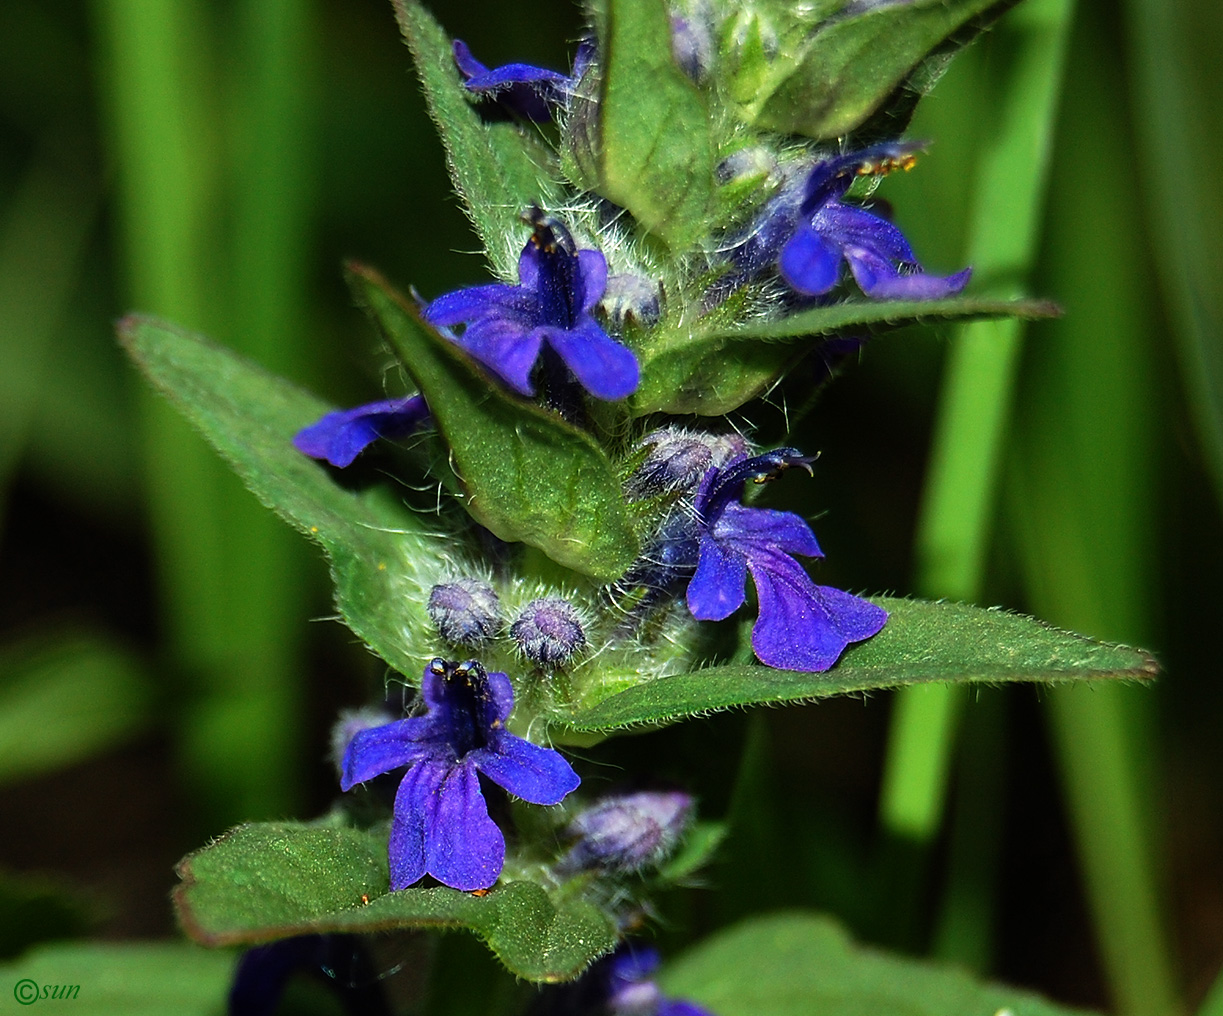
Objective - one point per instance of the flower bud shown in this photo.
(628, 832)
(747, 166)
(692, 39)
(678, 459)
(630, 299)
(676, 462)
(466, 612)
(549, 632)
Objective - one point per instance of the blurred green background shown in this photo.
(168, 665)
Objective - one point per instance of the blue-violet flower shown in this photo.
(810, 232)
(801, 626)
(518, 88)
(340, 436)
(441, 825)
(559, 285)
(506, 327)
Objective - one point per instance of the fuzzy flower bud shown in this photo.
(628, 832)
(678, 459)
(631, 299)
(692, 43)
(466, 613)
(549, 632)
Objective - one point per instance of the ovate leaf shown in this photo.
(379, 549)
(850, 66)
(528, 475)
(922, 642)
(795, 964)
(498, 169)
(657, 154)
(711, 371)
(268, 881)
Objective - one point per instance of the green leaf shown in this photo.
(134, 978)
(847, 69)
(267, 881)
(713, 371)
(497, 168)
(922, 642)
(792, 964)
(657, 154)
(382, 554)
(528, 475)
(66, 696)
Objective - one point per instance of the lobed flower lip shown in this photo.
(441, 825)
(800, 626)
(506, 327)
(340, 436)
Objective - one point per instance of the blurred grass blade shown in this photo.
(975, 400)
(1181, 202)
(65, 697)
(259, 702)
(224, 625)
(43, 232)
(161, 139)
(1212, 1004)
(1084, 472)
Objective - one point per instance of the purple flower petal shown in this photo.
(679, 1007)
(856, 227)
(526, 770)
(340, 436)
(519, 88)
(803, 626)
(464, 849)
(766, 527)
(441, 828)
(474, 302)
(592, 268)
(809, 263)
(506, 349)
(881, 281)
(441, 824)
(606, 369)
(717, 589)
(467, 64)
(378, 750)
